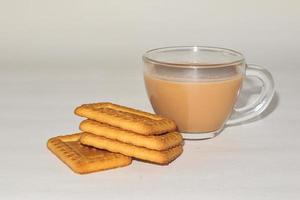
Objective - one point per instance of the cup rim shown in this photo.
(240, 57)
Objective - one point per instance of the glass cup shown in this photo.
(198, 86)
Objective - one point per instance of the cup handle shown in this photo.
(255, 108)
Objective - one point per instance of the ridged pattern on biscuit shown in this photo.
(160, 157)
(156, 142)
(126, 118)
(84, 159)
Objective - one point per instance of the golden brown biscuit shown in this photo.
(160, 157)
(83, 159)
(156, 142)
(126, 118)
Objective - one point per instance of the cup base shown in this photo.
(200, 136)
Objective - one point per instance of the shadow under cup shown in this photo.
(195, 86)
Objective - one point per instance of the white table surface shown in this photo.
(53, 60)
(259, 160)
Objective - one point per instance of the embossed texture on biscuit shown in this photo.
(156, 142)
(160, 157)
(126, 118)
(84, 159)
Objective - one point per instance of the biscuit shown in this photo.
(126, 118)
(83, 159)
(156, 142)
(160, 157)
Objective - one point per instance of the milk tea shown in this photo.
(202, 106)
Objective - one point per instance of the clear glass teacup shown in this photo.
(198, 86)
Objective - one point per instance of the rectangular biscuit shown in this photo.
(160, 157)
(84, 159)
(126, 118)
(156, 142)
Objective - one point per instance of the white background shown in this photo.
(56, 55)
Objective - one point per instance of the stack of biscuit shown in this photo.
(123, 133)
